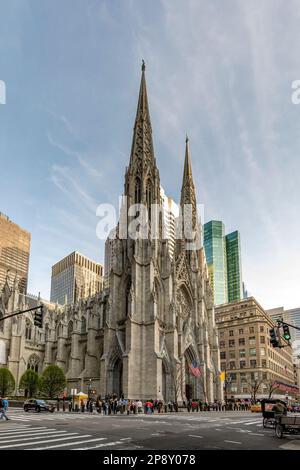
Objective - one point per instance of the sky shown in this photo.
(220, 71)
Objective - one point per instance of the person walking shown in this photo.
(140, 406)
(3, 408)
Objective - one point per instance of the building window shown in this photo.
(252, 340)
(242, 352)
(231, 343)
(264, 363)
(222, 344)
(262, 351)
(232, 365)
(28, 330)
(253, 363)
(261, 329)
(230, 332)
(252, 351)
(242, 341)
(265, 376)
(222, 355)
(262, 340)
(233, 375)
(231, 354)
(243, 377)
(242, 364)
(251, 329)
(221, 334)
(223, 365)
(241, 331)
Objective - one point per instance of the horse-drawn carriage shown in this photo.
(269, 413)
(287, 425)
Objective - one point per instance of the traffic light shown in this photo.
(38, 317)
(286, 332)
(274, 338)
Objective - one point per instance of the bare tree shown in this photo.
(272, 385)
(253, 388)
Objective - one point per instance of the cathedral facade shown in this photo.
(152, 325)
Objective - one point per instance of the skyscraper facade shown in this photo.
(75, 277)
(14, 253)
(223, 256)
(215, 251)
(234, 267)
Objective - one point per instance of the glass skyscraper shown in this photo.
(215, 251)
(223, 256)
(234, 267)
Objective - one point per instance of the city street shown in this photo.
(172, 431)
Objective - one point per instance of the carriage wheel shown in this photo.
(279, 431)
(265, 422)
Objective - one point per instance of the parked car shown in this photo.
(38, 405)
(256, 408)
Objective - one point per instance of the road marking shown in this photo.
(17, 439)
(73, 436)
(233, 442)
(29, 433)
(257, 434)
(194, 435)
(70, 443)
(126, 439)
(101, 445)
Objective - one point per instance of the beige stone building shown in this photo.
(142, 333)
(75, 277)
(246, 355)
(14, 253)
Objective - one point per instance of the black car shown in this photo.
(38, 405)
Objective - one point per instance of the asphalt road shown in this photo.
(171, 431)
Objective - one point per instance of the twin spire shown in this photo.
(142, 159)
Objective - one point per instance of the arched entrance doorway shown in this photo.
(117, 382)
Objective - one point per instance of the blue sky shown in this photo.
(224, 75)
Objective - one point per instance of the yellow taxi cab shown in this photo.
(255, 408)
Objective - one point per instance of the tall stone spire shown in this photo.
(142, 177)
(188, 193)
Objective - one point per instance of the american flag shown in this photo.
(195, 369)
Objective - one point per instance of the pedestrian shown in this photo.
(140, 406)
(3, 408)
(91, 407)
(82, 406)
(70, 406)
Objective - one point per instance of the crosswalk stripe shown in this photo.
(101, 445)
(33, 438)
(72, 436)
(15, 427)
(26, 431)
(34, 435)
(70, 444)
(252, 422)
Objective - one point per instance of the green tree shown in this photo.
(30, 382)
(7, 382)
(53, 381)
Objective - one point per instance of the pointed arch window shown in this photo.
(28, 330)
(70, 328)
(83, 325)
(137, 193)
(149, 197)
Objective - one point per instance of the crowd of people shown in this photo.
(112, 405)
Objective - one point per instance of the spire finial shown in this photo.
(186, 138)
(143, 65)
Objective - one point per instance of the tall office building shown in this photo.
(223, 255)
(215, 251)
(294, 315)
(170, 214)
(14, 253)
(234, 267)
(75, 277)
